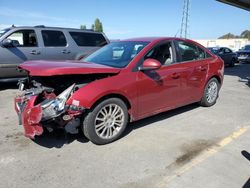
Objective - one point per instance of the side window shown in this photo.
(163, 53)
(189, 52)
(53, 38)
(88, 39)
(24, 38)
(227, 50)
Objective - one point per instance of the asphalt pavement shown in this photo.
(191, 146)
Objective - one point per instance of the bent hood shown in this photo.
(50, 68)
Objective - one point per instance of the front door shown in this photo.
(159, 90)
(26, 49)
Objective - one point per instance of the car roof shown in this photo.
(48, 27)
(154, 39)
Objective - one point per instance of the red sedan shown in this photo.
(122, 82)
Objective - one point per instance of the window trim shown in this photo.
(70, 34)
(190, 61)
(18, 30)
(66, 45)
(140, 62)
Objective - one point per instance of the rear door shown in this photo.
(27, 48)
(55, 45)
(225, 55)
(194, 64)
(229, 55)
(86, 43)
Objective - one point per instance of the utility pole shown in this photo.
(185, 19)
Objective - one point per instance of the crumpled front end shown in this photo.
(39, 107)
(29, 115)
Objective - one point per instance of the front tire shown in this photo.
(106, 121)
(210, 93)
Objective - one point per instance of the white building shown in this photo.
(234, 44)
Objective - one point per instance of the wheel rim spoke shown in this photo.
(212, 92)
(109, 121)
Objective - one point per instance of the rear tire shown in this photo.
(210, 93)
(106, 121)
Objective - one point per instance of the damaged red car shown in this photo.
(122, 82)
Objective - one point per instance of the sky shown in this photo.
(122, 19)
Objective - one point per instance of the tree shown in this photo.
(83, 27)
(228, 36)
(98, 25)
(245, 34)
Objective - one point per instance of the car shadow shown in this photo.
(247, 184)
(59, 138)
(162, 116)
(241, 70)
(247, 156)
(8, 85)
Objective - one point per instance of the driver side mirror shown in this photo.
(7, 43)
(150, 64)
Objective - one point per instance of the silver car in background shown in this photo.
(19, 44)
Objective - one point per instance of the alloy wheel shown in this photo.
(109, 121)
(212, 92)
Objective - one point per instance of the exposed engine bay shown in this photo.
(42, 102)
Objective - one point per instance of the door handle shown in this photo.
(175, 75)
(201, 68)
(65, 51)
(34, 52)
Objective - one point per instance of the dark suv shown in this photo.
(18, 44)
(244, 54)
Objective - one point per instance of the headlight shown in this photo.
(63, 97)
(56, 106)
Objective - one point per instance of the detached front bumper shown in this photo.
(29, 115)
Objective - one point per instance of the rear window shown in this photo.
(53, 38)
(88, 39)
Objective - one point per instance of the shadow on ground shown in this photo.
(159, 117)
(246, 154)
(8, 85)
(58, 138)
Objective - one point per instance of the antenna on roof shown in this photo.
(185, 19)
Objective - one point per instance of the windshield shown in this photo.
(247, 47)
(117, 54)
(3, 31)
